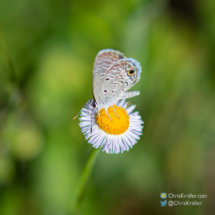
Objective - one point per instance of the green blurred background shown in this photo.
(47, 50)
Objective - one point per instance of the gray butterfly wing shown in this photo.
(117, 80)
(105, 59)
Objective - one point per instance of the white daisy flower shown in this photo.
(115, 135)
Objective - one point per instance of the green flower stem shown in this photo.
(79, 194)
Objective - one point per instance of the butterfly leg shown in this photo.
(108, 114)
(98, 113)
(114, 110)
(129, 94)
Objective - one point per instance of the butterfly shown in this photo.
(113, 76)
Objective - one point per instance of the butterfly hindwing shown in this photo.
(117, 82)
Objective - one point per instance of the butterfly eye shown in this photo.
(131, 71)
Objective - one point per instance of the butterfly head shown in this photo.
(133, 69)
(93, 104)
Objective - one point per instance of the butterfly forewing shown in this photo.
(105, 59)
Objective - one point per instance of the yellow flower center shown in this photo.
(118, 124)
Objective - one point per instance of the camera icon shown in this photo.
(163, 195)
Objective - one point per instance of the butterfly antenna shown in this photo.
(129, 103)
(76, 115)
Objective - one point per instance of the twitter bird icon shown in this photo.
(163, 203)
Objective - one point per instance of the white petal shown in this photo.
(121, 102)
(116, 148)
(99, 142)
